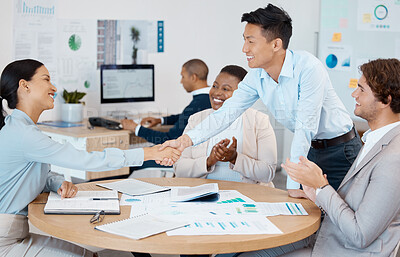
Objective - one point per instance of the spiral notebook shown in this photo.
(141, 226)
(85, 202)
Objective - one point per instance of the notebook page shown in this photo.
(85, 202)
(140, 226)
(65, 205)
(86, 195)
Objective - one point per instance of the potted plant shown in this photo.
(72, 109)
(135, 35)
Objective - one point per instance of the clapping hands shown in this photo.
(306, 173)
(221, 152)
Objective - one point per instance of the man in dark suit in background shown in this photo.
(194, 80)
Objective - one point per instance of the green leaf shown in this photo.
(73, 97)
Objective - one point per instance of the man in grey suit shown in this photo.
(363, 215)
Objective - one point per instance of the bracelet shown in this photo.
(323, 186)
(317, 190)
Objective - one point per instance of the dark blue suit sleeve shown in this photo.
(171, 120)
(199, 103)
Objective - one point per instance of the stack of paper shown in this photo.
(134, 187)
(234, 225)
(85, 202)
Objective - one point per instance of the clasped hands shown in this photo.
(166, 155)
(220, 151)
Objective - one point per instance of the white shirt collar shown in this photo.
(204, 90)
(374, 136)
(370, 138)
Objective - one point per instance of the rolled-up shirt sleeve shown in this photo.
(53, 182)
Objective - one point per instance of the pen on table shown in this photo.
(98, 199)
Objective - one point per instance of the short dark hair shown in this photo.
(274, 21)
(197, 67)
(383, 77)
(235, 71)
(9, 82)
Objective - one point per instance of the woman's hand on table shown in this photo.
(67, 190)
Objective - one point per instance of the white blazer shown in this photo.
(257, 161)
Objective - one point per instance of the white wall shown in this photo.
(207, 29)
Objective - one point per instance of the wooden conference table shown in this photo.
(76, 228)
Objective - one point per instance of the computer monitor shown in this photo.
(127, 83)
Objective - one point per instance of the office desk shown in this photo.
(76, 228)
(136, 141)
(95, 139)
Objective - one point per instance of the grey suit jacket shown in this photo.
(363, 216)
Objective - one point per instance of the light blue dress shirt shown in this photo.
(303, 100)
(25, 155)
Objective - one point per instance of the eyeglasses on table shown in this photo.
(98, 217)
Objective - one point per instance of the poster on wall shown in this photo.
(338, 57)
(76, 44)
(35, 32)
(378, 15)
(336, 14)
(128, 41)
(35, 37)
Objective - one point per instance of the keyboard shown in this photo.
(108, 124)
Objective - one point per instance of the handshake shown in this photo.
(169, 152)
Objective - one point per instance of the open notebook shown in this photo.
(85, 202)
(141, 226)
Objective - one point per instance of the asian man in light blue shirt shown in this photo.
(295, 87)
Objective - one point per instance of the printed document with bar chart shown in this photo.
(234, 225)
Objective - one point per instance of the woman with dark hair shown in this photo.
(251, 157)
(26, 154)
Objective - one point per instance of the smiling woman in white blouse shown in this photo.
(245, 152)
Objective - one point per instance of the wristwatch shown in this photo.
(320, 188)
